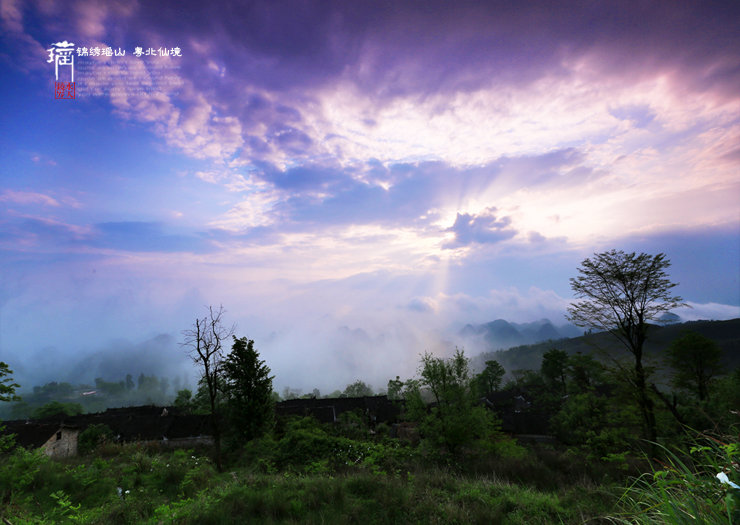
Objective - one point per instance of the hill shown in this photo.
(502, 334)
(604, 346)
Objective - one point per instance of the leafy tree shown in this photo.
(248, 391)
(110, 387)
(129, 382)
(291, 393)
(358, 389)
(455, 419)
(554, 368)
(7, 386)
(695, 360)
(184, 399)
(7, 393)
(585, 372)
(55, 408)
(490, 379)
(205, 347)
(395, 388)
(92, 437)
(621, 293)
(599, 424)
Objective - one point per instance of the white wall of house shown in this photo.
(62, 444)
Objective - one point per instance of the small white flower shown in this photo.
(722, 477)
(127, 492)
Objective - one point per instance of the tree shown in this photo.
(248, 391)
(184, 399)
(395, 388)
(57, 409)
(490, 379)
(554, 367)
(358, 389)
(695, 360)
(7, 386)
(585, 372)
(454, 419)
(621, 293)
(205, 347)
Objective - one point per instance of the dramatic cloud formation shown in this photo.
(355, 181)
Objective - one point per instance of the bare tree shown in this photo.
(621, 293)
(204, 342)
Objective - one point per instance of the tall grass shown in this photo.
(683, 487)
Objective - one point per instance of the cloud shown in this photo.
(639, 116)
(484, 228)
(422, 304)
(43, 234)
(27, 197)
(711, 311)
(345, 157)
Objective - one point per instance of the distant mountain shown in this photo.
(501, 334)
(603, 345)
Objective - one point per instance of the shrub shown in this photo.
(93, 437)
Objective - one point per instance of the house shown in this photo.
(58, 436)
(56, 439)
(169, 427)
(376, 409)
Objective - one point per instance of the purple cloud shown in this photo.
(484, 228)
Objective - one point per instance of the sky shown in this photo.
(352, 181)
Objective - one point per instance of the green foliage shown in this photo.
(106, 394)
(19, 471)
(55, 408)
(395, 389)
(358, 389)
(596, 423)
(490, 379)
(726, 399)
(7, 386)
(247, 386)
(685, 487)
(695, 360)
(92, 437)
(184, 400)
(454, 420)
(584, 373)
(554, 367)
(304, 473)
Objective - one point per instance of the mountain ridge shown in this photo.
(605, 346)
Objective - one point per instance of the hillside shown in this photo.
(529, 356)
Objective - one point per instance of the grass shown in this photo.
(683, 488)
(138, 485)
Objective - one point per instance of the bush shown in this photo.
(19, 472)
(93, 437)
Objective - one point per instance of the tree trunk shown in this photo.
(216, 441)
(646, 404)
(670, 406)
